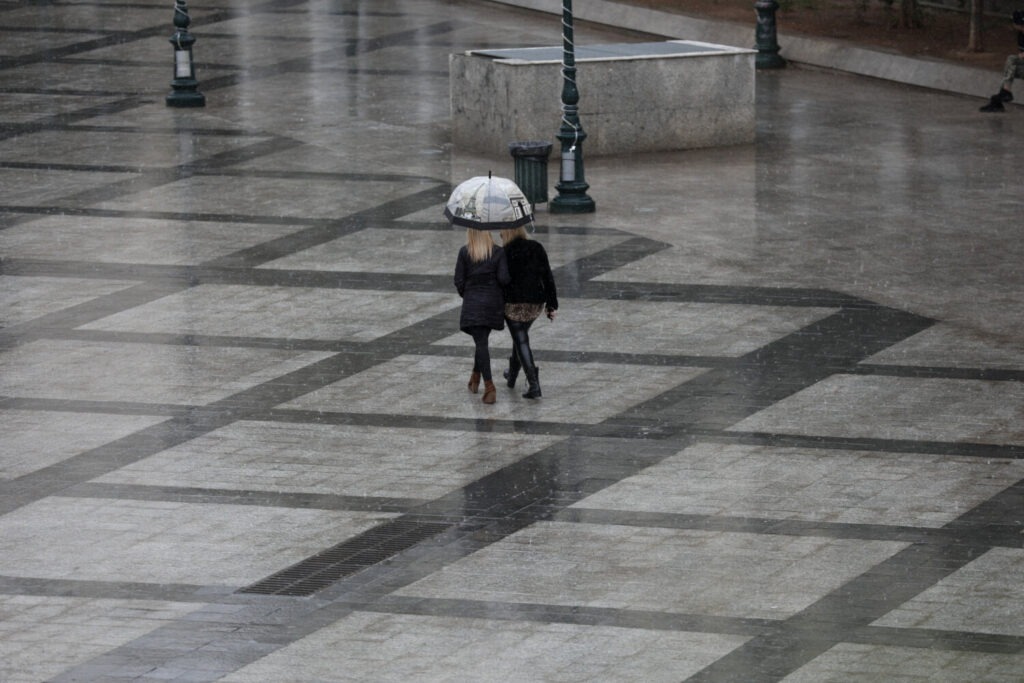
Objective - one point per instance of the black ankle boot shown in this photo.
(994, 104)
(533, 377)
(1006, 95)
(512, 373)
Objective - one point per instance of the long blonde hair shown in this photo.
(479, 243)
(513, 234)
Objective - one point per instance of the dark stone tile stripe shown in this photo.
(755, 296)
(988, 451)
(931, 372)
(723, 396)
(280, 499)
(365, 550)
(559, 614)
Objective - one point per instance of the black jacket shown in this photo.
(480, 286)
(532, 281)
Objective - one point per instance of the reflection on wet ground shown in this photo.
(781, 433)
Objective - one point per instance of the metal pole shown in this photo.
(572, 188)
(767, 43)
(185, 87)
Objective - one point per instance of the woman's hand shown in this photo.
(551, 314)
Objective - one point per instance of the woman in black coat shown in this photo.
(480, 275)
(531, 291)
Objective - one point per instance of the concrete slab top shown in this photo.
(659, 50)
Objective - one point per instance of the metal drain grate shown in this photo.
(365, 550)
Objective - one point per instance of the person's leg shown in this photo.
(521, 345)
(512, 373)
(482, 355)
(483, 361)
(1013, 68)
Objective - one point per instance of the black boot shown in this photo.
(994, 104)
(1005, 95)
(513, 370)
(533, 377)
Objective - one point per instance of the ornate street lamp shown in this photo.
(572, 188)
(185, 86)
(767, 43)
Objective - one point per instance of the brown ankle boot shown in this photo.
(474, 382)
(490, 394)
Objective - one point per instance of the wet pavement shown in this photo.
(782, 432)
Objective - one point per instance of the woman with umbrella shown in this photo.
(481, 272)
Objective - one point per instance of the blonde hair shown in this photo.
(480, 244)
(513, 234)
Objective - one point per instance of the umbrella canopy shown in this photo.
(487, 203)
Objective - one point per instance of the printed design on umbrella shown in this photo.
(488, 203)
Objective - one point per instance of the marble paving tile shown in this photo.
(33, 187)
(29, 107)
(42, 636)
(34, 439)
(663, 327)
(331, 459)
(854, 663)
(83, 16)
(984, 596)
(132, 240)
(272, 197)
(421, 251)
(144, 149)
(899, 408)
(854, 487)
(666, 570)
(148, 373)
(18, 43)
(96, 539)
(287, 312)
(433, 385)
(128, 79)
(945, 345)
(24, 298)
(376, 646)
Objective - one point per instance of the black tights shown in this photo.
(482, 356)
(521, 344)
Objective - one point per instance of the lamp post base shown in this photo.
(186, 98)
(572, 203)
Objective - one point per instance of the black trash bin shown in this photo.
(531, 169)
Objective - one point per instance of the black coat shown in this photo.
(532, 281)
(480, 286)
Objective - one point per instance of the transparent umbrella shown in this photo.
(488, 203)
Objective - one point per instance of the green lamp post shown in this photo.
(571, 186)
(766, 36)
(184, 87)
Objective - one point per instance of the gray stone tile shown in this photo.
(712, 573)
(899, 408)
(273, 197)
(664, 328)
(133, 240)
(983, 597)
(149, 373)
(28, 107)
(23, 298)
(373, 647)
(142, 149)
(331, 459)
(433, 385)
(286, 312)
(852, 663)
(36, 439)
(162, 542)
(811, 484)
(947, 345)
(421, 251)
(42, 636)
(29, 187)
